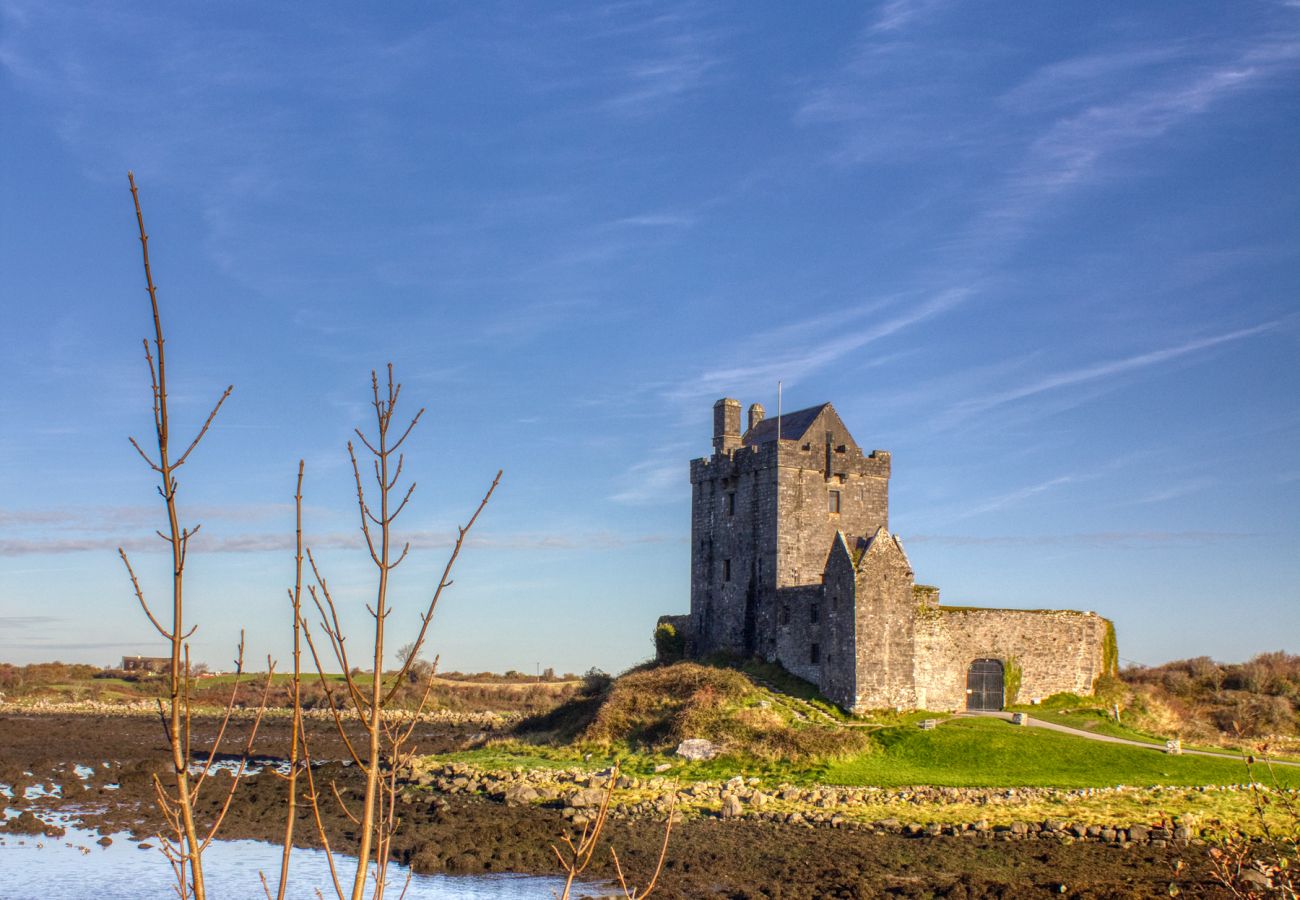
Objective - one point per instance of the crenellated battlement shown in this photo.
(751, 457)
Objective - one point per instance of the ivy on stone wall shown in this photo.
(1011, 677)
(1109, 650)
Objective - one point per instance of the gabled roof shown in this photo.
(882, 543)
(793, 426)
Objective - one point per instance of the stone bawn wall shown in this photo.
(1055, 651)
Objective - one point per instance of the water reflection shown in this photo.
(76, 866)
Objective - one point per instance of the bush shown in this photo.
(670, 644)
(595, 682)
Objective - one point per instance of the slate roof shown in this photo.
(793, 426)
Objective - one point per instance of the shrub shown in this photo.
(670, 644)
(595, 682)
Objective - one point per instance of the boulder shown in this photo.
(697, 749)
(587, 798)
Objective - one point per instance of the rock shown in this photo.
(520, 794)
(731, 807)
(697, 749)
(1138, 833)
(1256, 879)
(663, 767)
(104, 841)
(587, 798)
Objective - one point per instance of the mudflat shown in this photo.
(462, 834)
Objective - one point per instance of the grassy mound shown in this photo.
(655, 708)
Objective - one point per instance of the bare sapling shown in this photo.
(299, 755)
(1269, 864)
(178, 801)
(580, 848)
(384, 745)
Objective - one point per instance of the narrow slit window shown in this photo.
(731, 503)
(815, 654)
(814, 614)
(726, 570)
(834, 503)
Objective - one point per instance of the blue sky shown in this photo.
(1046, 254)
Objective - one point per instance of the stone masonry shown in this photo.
(792, 561)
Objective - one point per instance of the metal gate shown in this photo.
(984, 684)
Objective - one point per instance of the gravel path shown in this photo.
(1110, 739)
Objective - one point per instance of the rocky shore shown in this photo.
(735, 839)
(576, 794)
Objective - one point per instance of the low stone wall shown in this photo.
(1050, 651)
(578, 794)
(484, 721)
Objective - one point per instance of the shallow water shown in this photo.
(74, 866)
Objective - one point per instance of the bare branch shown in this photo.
(139, 595)
(408, 430)
(204, 430)
(153, 465)
(427, 616)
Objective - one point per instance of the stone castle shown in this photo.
(792, 560)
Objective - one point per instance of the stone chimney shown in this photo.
(756, 414)
(726, 425)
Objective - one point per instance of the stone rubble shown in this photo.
(580, 793)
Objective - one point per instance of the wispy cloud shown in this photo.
(1102, 371)
(679, 64)
(1117, 539)
(895, 15)
(16, 622)
(116, 518)
(1012, 498)
(1070, 152)
(657, 480)
(1087, 79)
(1174, 491)
(263, 542)
(777, 357)
(656, 220)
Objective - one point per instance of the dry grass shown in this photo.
(656, 708)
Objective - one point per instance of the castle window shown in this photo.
(835, 502)
(731, 503)
(815, 654)
(726, 570)
(785, 615)
(813, 614)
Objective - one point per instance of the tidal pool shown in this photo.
(75, 866)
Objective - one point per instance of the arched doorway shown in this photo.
(984, 684)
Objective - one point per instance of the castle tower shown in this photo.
(764, 512)
(792, 560)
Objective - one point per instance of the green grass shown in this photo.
(959, 753)
(994, 753)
